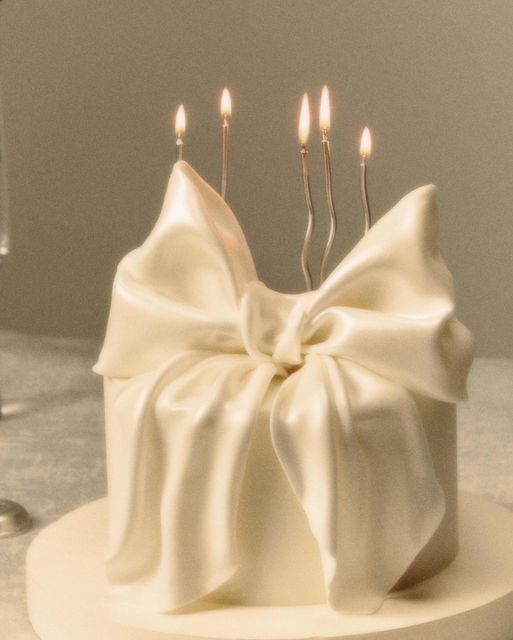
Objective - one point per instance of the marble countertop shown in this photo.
(52, 456)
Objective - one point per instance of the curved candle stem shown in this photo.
(331, 207)
(311, 220)
(365, 196)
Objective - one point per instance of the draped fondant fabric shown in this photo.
(198, 340)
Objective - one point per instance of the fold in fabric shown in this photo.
(357, 458)
(176, 460)
(193, 343)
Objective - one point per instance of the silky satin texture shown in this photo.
(198, 341)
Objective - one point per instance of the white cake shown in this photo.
(280, 467)
(269, 449)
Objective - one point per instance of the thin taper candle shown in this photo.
(180, 131)
(226, 112)
(304, 130)
(365, 151)
(324, 123)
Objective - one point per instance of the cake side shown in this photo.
(278, 555)
(279, 562)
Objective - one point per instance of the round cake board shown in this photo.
(472, 599)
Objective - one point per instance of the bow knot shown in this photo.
(272, 327)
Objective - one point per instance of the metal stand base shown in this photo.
(14, 519)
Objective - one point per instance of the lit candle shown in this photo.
(365, 151)
(303, 132)
(226, 112)
(324, 124)
(179, 131)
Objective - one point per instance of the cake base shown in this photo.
(472, 599)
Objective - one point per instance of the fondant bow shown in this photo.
(201, 339)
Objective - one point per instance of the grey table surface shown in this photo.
(52, 456)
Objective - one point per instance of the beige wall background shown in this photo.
(88, 88)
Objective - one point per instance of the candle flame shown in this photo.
(180, 121)
(304, 120)
(226, 104)
(365, 143)
(324, 111)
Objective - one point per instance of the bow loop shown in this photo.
(181, 289)
(389, 305)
